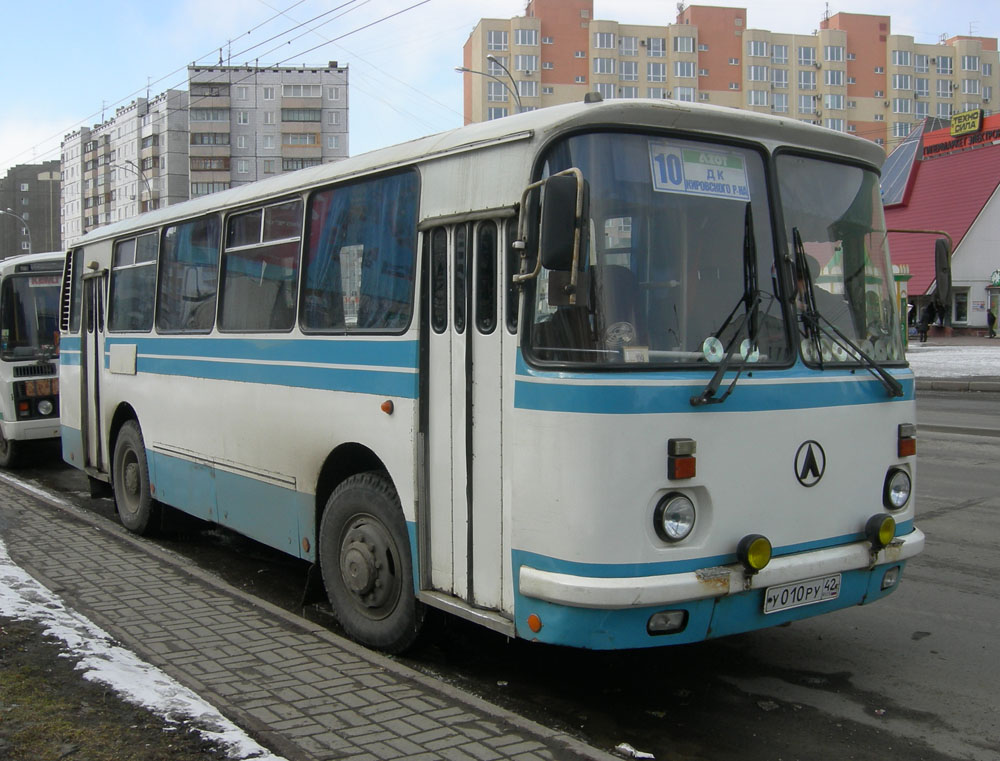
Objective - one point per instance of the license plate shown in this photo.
(808, 592)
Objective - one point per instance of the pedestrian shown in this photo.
(991, 322)
(926, 318)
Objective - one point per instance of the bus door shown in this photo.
(91, 355)
(462, 546)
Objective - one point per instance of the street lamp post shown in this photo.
(507, 87)
(134, 168)
(18, 217)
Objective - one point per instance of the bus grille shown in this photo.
(33, 371)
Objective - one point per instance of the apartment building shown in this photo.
(850, 74)
(234, 125)
(247, 123)
(29, 209)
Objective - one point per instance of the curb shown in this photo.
(959, 385)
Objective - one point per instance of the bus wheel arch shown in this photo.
(365, 561)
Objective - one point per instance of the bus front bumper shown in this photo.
(617, 593)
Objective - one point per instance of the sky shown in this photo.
(68, 64)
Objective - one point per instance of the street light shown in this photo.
(133, 167)
(513, 92)
(18, 217)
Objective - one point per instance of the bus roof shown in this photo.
(532, 129)
(9, 263)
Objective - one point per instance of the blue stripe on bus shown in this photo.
(604, 393)
(634, 570)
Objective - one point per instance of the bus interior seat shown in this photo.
(616, 290)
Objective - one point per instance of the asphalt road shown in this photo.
(912, 677)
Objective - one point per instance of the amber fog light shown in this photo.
(754, 552)
(880, 530)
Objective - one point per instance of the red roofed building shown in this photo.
(939, 181)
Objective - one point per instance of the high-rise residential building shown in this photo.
(29, 209)
(234, 125)
(248, 123)
(850, 74)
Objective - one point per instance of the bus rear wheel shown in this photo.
(130, 481)
(365, 559)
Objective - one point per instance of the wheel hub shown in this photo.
(361, 567)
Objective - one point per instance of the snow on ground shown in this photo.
(23, 598)
(953, 361)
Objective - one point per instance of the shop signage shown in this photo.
(976, 140)
(995, 277)
(966, 122)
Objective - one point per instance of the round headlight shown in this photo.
(896, 492)
(673, 518)
(45, 407)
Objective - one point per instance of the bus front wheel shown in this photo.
(130, 481)
(9, 451)
(365, 560)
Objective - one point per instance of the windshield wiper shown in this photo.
(811, 318)
(751, 304)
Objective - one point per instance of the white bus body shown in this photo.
(339, 366)
(29, 348)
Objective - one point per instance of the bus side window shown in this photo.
(360, 257)
(189, 277)
(513, 266)
(133, 284)
(260, 268)
(486, 277)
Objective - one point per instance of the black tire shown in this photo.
(130, 481)
(9, 452)
(364, 553)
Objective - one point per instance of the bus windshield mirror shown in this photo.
(751, 304)
(817, 325)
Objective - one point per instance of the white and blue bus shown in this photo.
(29, 352)
(612, 374)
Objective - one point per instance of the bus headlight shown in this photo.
(896, 492)
(673, 518)
(45, 407)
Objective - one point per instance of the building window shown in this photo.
(209, 138)
(734, 61)
(547, 90)
(333, 142)
(656, 72)
(944, 110)
(779, 102)
(547, 40)
(629, 71)
(241, 141)
(834, 77)
(496, 92)
(496, 40)
(837, 124)
(628, 46)
(757, 73)
(921, 109)
(527, 88)
(301, 114)
(604, 65)
(206, 164)
(604, 40)
(241, 92)
(683, 68)
(242, 166)
(757, 97)
(526, 37)
(333, 93)
(779, 54)
(702, 72)
(268, 93)
(580, 54)
(269, 141)
(901, 129)
(548, 65)
(656, 92)
(526, 63)
(779, 77)
(242, 117)
(606, 90)
(902, 106)
(302, 91)
(879, 94)
(756, 48)
(683, 44)
(580, 79)
(656, 47)
(879, 117)
(807, 105)
(944, 64)
(628, 91)
(920, 63)
(902, 82)
(970, 87)
(944, 88)
(734, 85)
(333, 118)
(299, 138)
(987, 69)
(702, 47)
(293, 165)
(684, 93)
(900, 58)
(807, 80)
(922, 86)
(833, 102)
(833, 53)
(807, 56)
(24, 187)
(496, 112)
(208, 114)
(970, 63)
(961, 306)
(269, 117)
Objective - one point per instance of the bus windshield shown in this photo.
(29, 316)
(843, 240)
(673, 225)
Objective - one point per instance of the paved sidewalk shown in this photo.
(296, 687)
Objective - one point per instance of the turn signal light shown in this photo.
(681, 462)
(906, 442)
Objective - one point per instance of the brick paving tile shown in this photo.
(320, 696)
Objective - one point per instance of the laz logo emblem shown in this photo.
(810, 463)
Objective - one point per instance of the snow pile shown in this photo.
(954, 361)
(23, 598)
